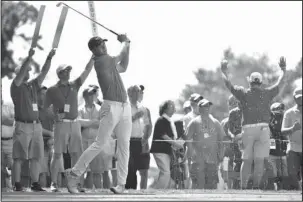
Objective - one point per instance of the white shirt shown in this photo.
(172, 125)
(91, 114)
(8, 112)
(139, 124)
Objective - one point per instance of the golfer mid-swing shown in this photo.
(115, 113)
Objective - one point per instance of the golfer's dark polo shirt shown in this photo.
(255, 103)
(46, 118)
(24, 96)
(59, 95)
(109, 79)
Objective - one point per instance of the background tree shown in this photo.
(15, 15)
(211, 85)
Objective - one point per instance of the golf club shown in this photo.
(60, 3)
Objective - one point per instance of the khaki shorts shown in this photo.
(101, 162)
(256, 141)
(67, 135)
(28, 141)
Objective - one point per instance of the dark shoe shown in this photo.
(36, 187)
(80, 189)
(54, 187)
(18, 187)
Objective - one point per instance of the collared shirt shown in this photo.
(109, 79)
(91, 114)
(24, 96)
(290, 117)
(139, 124)
(60, 95)
(7, 112)
(207, 138)
(255, 103)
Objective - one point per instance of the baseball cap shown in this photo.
(277, 107)
(186, 104)
(195, 97)
(95, 41)
(204, 102)
(255, 77)
(298, 92)
(90, 90)
(63, 67)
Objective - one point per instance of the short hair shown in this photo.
(164, 106)
(131, 89)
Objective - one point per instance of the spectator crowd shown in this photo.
(47, 140)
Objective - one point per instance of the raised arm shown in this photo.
(281, 80)
(237, 91)
(24, 68)
(122, 59)
(87, 69)
(225, 77)
(40, 78)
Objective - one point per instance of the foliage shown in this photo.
(211, 85)
(15, 15)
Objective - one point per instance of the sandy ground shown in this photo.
(156, 195)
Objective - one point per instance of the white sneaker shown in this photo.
(119, 189)
(71, 182)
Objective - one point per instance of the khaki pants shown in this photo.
(115, 118)
(163, 163)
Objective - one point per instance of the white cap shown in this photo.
(255, 77)
(186, 104)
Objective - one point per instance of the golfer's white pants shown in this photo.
(115, 118)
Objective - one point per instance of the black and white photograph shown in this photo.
(151, 101)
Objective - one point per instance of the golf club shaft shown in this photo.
(88, 18)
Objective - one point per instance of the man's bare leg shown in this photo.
(106, 180)
(55, 164)
(144, 178)
(17, 174)
(97, 180)
(245, 172)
